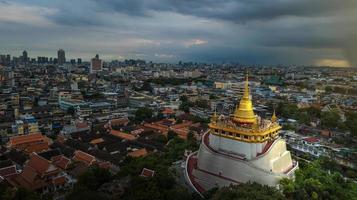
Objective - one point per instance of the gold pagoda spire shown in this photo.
(273, 117)
(244, 111)
(214, 117)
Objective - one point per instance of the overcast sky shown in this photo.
(303, 32)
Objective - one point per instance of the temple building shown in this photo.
(238, 149)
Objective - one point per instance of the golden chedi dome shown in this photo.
(244, 111)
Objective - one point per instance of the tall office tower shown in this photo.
(24, 56)
(79, 61)
(61, 57)
(2, 59)
(8, 58)
(96, 64)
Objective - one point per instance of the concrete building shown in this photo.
(96, 64)
(61, 57)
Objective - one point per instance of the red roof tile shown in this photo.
(38, 163)
(16, 140)
(168, 111)
(83, 157)
(138, 153)
(37, 147)
(159, 127)
(312, 139)
(61, 161)
(147, 172)
(61, 180)
(8, 171)
(122, 135)
(182, 125)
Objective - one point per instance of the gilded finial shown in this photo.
(244, 111)
(214, 117)
(246, 87)
(273, 117)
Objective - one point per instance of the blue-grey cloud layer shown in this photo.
(249, 31)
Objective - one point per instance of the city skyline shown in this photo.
(278, 32)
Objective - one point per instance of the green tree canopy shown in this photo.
(313, 182)
(330, 119)
(351, 122)
(247, 191)
(143, 114)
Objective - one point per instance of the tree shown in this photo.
(330, 119)
(171, 135)
(160, 187)
(143, 114)
(146, 86)
(351, 122)
(94, 177)
(328, 89)
(202, 103)
(313, 182)
(88, 184)
(19, 194)
(81, 192)
(247, 191)
(71, 110)
(185, 104)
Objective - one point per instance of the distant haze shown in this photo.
(303, 32)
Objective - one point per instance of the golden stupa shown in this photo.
(240, 148)
(245, 124)
(244, 111)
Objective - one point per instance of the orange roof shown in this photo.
(8, 171)
(61, 180)
(147, 172)
(122, 135)
(61, 161)
(119, 121)
(97, 141)
(83, 157)
(81, 125)
(104, 165)
(28, 174)
(37, 147)
(35, 137)
(182, 125)
(61, 138)
(138, 153)
(182, 133)
(156, 126)
(168, 111)
(38, 163)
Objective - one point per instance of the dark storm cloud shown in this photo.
(85, 12)
(254, 31)
(234, 10)
(239, 11)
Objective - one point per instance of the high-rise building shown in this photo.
(79, 61)
(61, 57)
(8, 58)
(24, 56)
(238, 149)
(96, 64)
